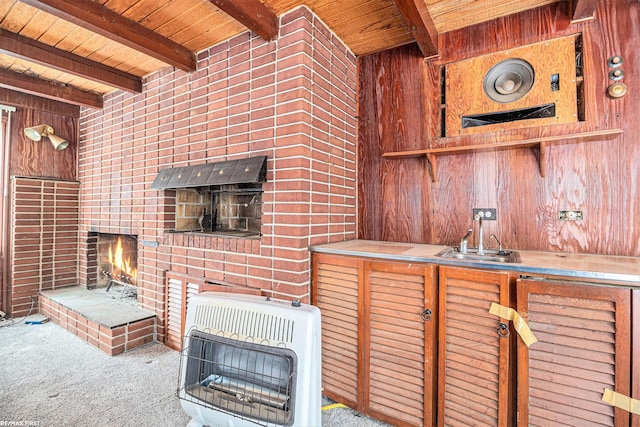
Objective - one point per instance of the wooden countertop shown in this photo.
(587, 266)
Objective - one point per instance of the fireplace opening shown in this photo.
(222, 197)
(117, 260)
(242, 378)
(232, 209)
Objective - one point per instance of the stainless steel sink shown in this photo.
(473, 255)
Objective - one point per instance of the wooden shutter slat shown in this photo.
(593, 351)
(581, 333)
(461, 415)
(570, 411)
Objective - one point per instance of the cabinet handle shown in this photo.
(426, 314)
(503, 330)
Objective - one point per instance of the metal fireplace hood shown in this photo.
(241, 171)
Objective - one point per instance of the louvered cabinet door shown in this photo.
(335, 292)
(398, 372)
(474, 376)
(583, 348)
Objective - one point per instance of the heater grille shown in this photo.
(244, 323)
(250, 381)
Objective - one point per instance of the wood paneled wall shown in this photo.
(39, 158)
(399, 97)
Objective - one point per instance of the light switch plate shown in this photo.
(570, 215)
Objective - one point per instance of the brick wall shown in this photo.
(43, 246)
(292, 100)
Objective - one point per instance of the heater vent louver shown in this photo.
(244, 323)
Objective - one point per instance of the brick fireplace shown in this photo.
(115, 257)
(291, 100)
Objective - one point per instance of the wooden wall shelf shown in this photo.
(539, 143)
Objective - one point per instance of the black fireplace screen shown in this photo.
(251, 381)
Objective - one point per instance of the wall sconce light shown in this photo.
(35, 133)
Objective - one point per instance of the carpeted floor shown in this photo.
(51, 378)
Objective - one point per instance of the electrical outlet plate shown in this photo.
(487, 214)
(570, 215)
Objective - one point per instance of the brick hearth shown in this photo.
(108, 324)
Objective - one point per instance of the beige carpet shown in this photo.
(49, 377)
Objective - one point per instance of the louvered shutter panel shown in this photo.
(336, 279)
(474, 360)
(174, 303)
(396, 295)
(583, 348)
(178, 291)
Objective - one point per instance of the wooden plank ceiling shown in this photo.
(75, 51)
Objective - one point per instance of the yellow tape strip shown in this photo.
(333, 405)
(518, 322)
(621, 401)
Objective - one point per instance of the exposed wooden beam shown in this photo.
(583, 10)
(20, 99)
(253, 14)
(99, 19)
(46, 89)
(34, 51)
(420, 23)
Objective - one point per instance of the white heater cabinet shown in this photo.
(250, 360)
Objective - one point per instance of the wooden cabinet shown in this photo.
(583, 348)
(474, 379)
(336, 292)
(379, 336)
(398, 342)
(410, 353)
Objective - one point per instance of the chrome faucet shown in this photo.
(464, 245)
(480, 245)
(493, 236)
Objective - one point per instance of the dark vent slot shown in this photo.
(443, 102)
(580, 100)
(555, 82)
(539, 112)
(580, 79)
(579, 69)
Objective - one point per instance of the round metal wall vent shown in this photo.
(509, 80)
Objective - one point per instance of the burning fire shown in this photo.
(121, 266)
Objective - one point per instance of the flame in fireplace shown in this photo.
(121, 264)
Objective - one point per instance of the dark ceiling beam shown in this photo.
(34, 51)
(253, 14)
(97, 18)
(19, 99)
(418, 19)
(583, 10)
(46, 89)
(420, 23)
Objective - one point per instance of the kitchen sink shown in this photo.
(473, 255)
